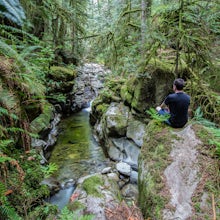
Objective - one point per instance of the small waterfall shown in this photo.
(89, 108)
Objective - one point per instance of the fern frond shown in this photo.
(8, 212)
(4, 144)
(29, 51)
(4, 158)
(7, 49)
(4, 111)
(49, 169)
(28, 82)
(10, 32)
(198, 117)
(2, 190)
(154, 115)
(12, 10)
(10, 102)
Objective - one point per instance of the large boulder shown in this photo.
(94, 194)
(121, 133)
(61, 79)
(116, 120)
(65, 57)
(144, 91)
(42, 122)
(101, 195)
(173, 174)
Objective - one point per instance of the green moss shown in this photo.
(62, 73)
(152, 162)
(102, 108)
(115, 84)
(106, 96)
(91, 185)
(42, 121)
(76, 205)
(162, 64)
(125, 95)
(136, 102)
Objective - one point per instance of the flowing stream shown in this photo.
(76, 153)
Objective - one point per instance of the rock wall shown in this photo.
(119, 117)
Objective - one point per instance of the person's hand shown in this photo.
(158, 108)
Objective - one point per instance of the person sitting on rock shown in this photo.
(176, 105)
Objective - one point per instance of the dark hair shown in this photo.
(179, 83)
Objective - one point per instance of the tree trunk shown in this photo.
(178, 38)
(145, 17)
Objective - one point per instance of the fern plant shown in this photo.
(158, 118)
(6, 211)
(66, 214)
(49, 169)
(13, 11)
(211, 127)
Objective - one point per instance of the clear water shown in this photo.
(77, 153)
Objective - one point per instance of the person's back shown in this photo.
(178, 104)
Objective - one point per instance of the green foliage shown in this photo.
(4, 111)
(66, 214)
(198, 117)
(211, 127)
(4, 144)
(46, 211)
(154, 115)
(13, 11)
(5, 158)
(6, 210)
(64, 22)
(91, 185)
(24, 178)
(49, 169)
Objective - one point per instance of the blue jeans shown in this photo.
(164, 112)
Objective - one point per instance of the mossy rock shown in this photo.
(147, 90)
(152, 161)
(125, 95)
(61, 86)
(58, 73)
(99, 108)
(42, 122)
(91, 185)
(76, 205)
(115, 84)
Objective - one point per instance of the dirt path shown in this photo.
(182, 175)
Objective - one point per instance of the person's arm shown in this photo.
(163, 105)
